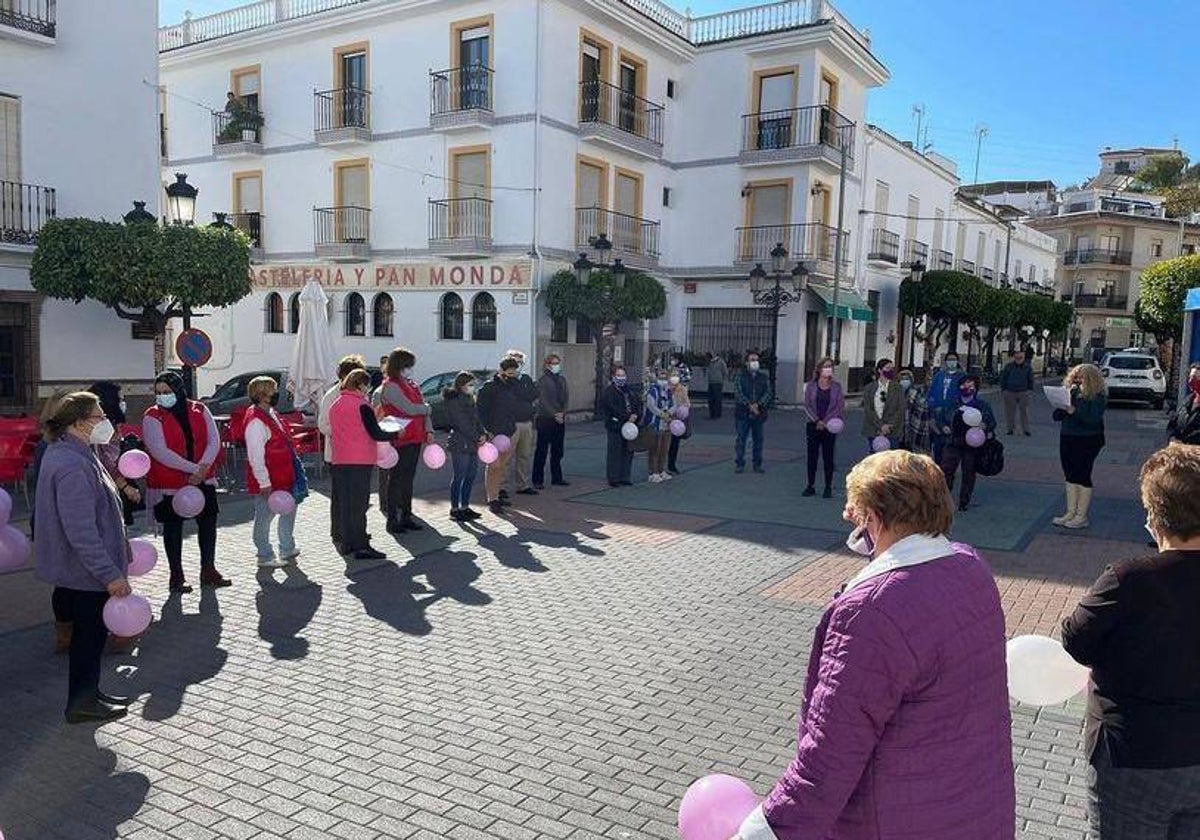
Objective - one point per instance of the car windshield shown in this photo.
(431, 387)
(1131, 363)
(229, 390)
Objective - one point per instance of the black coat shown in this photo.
(618, 404)
(500, 405)
(1185, 425)
(463, 417)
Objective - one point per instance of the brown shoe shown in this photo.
(62, 636)
(212, 578)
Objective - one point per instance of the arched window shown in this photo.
(451, 317)
(483, 317)
(274, 312)
(356, 314)
(294, 313)
(383, 311)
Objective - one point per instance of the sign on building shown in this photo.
(498, 275)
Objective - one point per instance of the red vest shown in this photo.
(352, 446)
(162, 477)
(279, 454)
(414, 432)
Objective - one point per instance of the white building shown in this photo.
(77, 125)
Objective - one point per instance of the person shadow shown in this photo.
(515, 551)
(180, 650)
(284, 609)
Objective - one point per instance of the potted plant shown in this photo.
(250, 122)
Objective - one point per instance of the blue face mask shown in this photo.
(165, 400)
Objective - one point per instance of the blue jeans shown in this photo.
(262, 530)
(752, 426)
(465, 464)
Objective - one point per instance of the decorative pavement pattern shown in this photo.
(563, 673)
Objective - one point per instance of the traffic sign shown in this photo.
(194, 348)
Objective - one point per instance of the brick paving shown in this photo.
(564, 673)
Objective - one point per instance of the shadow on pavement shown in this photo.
(284, 609)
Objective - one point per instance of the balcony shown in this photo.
(237, 133)
(27, 20)
(620, 119)
(943, 260)
(250, 224)
(813, 243)
(342, 234)
(634, 240)
(988, 275)
(24, 208)
(1107, 303)
(885, 246)
(1097, 256)
(916, 252)
(342, 116)
(966, 266)
(461, 98)
(461, 227)
(798, 134)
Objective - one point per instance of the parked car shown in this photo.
(1134, 377)
(431, 390)
(231, 395)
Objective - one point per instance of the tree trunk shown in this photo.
(160, 351)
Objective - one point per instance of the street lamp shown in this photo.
(602, 245)
(583, 269)
(181, 201)
(916, 273)
(776, 295)
(220, 222)
(139, 215)
(618, 273)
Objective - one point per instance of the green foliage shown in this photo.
(1182, 200)
(600, 301)
(144, 272)
(1162, 172)
(1159, 310)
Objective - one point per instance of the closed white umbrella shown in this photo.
(313, 356)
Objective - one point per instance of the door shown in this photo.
(248, 90)
(627, 201)
(591, 76)
(629, 115)
(768, 217)
(469, 218)
(776, 96)
(354, 86)
(11, 199)
(589, 197)
(353, 202)
(829, 103)
(820, 243)
(15, 365)
(247, 206)
(474, 55)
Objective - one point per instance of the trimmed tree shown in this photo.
(605, 305)
(941, 300)
(145, 273)
(1159, 310)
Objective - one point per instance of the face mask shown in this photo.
(752, 365)
(951, 364)
(405, 372)
(124, 408)
(860, 541)
(888, 374)
(826, 372)
(165, 400)
(619, 381)
(905, 384)
(274, 401)
(556, 369)
(469, 390)
(674, 380)
(102, 432)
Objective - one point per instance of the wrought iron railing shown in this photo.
(601, 102)
(250, 224)
(966, 266)
(1118, 303)
(24, 208)
(797, 127)
(460, 89)
(36, 16)
(348, 107)
(241, 126)
(629, 234)
(348, 225)
(943, 260)
(1084, 256)
(986, 274)
(803, 242)
(885, 246)
(915, 252)
(457, 219)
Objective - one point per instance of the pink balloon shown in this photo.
(677, 427)
(975, 436)
(134, 464)
(434, 456)
(835, 425)
(281, 503)
(881, 444)
(188, 502)
(503, 443)
(5, 515)
(681, 411)
(488, 453)
(128, 616)
(143, 557)
(714, 807)
(14, 548)
(387, 456)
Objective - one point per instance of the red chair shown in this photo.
(15, 459)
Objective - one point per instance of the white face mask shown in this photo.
(826, 372)
(860, 542)
(752, 365)
(102, 432)
(124, 407)
(165, 400)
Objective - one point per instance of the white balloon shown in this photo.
(1041, 672)
(629, 431)
(972, 416)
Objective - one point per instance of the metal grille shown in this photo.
(724, 331)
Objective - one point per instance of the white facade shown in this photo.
(77, 125)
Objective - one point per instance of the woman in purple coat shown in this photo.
(905, 730)
(823, 401)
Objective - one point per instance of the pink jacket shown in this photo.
(352, 444)
(905, 732)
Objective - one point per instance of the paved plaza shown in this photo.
(563, 673)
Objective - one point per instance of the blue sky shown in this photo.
(1055, 81)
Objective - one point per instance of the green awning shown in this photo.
(850, 307)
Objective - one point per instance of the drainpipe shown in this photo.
(537, 180)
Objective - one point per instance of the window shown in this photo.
(247, 205)
(274, 312)
(670, 88)
(627, 201)
(10, 139)
(1188, 250)
(1018, 270)
(483, 317)
(350, 104)
(1156, 246)
(666, 197)
(1110, 243)
(294, 313)
(1033, 275)
(450, 312)
(558, 329)
(583, 330)
(774, 98)
(383, 311)
(162, 122)
(594, 58)
(356, 314)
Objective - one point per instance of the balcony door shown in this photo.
(776, 96)
(247, 88)
(629, 95)
(470, 178)
(353, 203)
(474, 58)
(10, 163)
(829, 103)
(591, 76)
(820, 234)
(627, 202)
(590, 199)
(248, 205)
(352, 68)
(767, 213)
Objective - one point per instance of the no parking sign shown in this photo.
(193, 348)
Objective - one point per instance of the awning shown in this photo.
(850, 307)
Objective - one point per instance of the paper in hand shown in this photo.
(393, 425)
(1058, 396)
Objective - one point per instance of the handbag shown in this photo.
(990, 459)
(641, 443)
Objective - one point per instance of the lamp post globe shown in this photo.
(602, 245)
(583, 269)
(758, 279)
(800, 278)
(220, 222)
(139, 215)
(181, 200)
(618, 273)
(779, 256)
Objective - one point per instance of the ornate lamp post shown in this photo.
(916, 273)
(181, 201)
(777, 295)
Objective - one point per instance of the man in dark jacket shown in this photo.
(620, 406)
(499, 405)
(522, 438)
(752, 397)
(1016, 385)
(554, 397)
